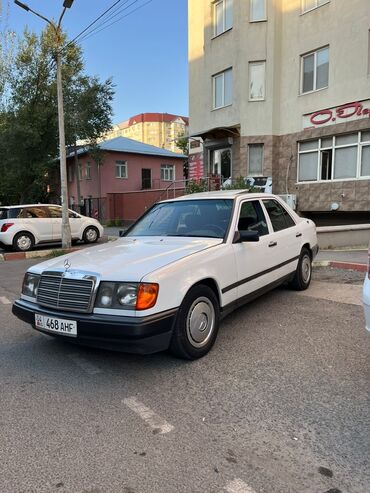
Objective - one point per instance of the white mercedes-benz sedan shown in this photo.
(184, 265)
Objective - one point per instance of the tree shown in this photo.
(182, 143)
(29, 125)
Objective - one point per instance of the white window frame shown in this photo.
(254, 144)
(88, 171)
(121, 165)
(360, 145)
(214, 17)
(314, 52)
(214, 77)
(261, 62)
(167, 170)
(318, 4)
(264, 19)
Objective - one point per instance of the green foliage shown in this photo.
(239, 184)
(29, 140)
(115, 223)
(183, 143)
(196, 186)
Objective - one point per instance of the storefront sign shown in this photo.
(196, 166)
(345, 113)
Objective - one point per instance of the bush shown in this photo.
(196, 186)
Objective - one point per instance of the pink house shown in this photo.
(130, 177)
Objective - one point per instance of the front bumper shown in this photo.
(142, 335)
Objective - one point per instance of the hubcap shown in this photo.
(200, 322)
(306, 269)
(24, 242)
(91, 234)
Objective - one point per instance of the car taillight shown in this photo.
(5, 227)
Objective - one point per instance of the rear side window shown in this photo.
(15, 213)
(3, 214)
(252, 218)
(35, 213)
(280, 218)
(55, 212)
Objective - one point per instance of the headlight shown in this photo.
(30, 284)
(127, 295)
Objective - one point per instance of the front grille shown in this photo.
(71, 291)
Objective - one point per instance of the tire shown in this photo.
(197, 324)
(90, 235)
(303, 274)
(23, 242)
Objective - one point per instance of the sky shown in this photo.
(145, 53)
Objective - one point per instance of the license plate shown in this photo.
(58, 325)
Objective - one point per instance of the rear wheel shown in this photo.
(91, 235)
(303, 274)
(23, 242)
(197, 324)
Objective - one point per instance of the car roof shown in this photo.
(222, 194)
(27, 205)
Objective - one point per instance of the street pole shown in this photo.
(66, 228)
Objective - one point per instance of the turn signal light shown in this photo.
(5, 227)
(146, 296)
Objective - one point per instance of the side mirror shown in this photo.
(246, 235)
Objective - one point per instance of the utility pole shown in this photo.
(66, 228)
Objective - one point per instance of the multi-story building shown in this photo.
(281, 88)
(157, 129)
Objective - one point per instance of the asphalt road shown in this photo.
(281, 404)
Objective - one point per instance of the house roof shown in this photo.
(123, 144)
(153, 117)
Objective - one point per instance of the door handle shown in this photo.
(298, 235)
(272, 244)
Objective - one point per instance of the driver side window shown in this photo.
(252, 218)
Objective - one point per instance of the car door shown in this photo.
(255, 260)
(56, 215)
(287, 243)
(37, 220)
(76, 223)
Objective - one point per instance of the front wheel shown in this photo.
(303, 273)
(197, 324)
(91, 235)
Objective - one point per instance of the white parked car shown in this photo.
(366, 296)
(24, 226)
(177, 271)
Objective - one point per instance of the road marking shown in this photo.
(341, 293)
(84, 364)
(5, 300)
(150, 417)
(238, 486)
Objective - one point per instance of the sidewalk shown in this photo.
(343, 259)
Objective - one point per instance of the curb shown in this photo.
(48, 253)
(340, 265)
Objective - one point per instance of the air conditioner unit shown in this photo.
(290, 199)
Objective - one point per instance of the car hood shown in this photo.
(129, 259)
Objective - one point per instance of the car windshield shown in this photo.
(3, 214)
(196, 218)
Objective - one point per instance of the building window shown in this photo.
(121, 169)
(255, 159)
(344, 157)
(167, 172)
(257, 81)
(308, 5)
(315, 70)
(80, 171)
(257, 10)
(221, 163)
(88, 171)
(223, 89)
(70, 173)
(222, 16)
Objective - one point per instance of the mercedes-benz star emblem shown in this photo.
(67, 264)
